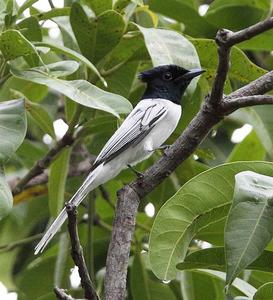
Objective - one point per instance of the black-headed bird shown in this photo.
(144, 130)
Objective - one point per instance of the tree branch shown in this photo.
(61, 294)
(77, 254)
(209, 115)
(231, 105)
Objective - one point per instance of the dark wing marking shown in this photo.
(134, 129)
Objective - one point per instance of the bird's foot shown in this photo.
(136, 172)
(164, 148)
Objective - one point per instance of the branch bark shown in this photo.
(213, 110)
(77, 254)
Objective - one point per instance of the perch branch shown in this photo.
(77, 254)
(209, 115)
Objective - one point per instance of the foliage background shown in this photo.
(97, 41)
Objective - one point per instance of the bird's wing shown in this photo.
(135, 127)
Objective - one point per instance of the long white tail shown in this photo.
(84, 189)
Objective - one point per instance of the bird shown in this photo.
(143, 131)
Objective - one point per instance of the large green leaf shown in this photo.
(214, 259)
(261, 42)
(33, 91)
(165, 47)
(203, 200)
(265, 292)
(241, 68)
(80, 91)
(249, 226)
(56, 183)
(13, 127)
(236, 15)
(13, 44)
(186, 12)
(250, 148)
(72, 54)
(101, 34)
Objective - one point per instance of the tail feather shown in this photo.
(85, 188)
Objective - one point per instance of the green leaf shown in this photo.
(25, 6)
(200, 202)
(80, 91)
(200, 285)
(13, 44)
(249, 226)
(249, 149)
(33, 91)
(72, 54)
(260, 117)
(41, 117)
(13, 126)
(221, 13)
(184, 11)
(138, 279)
(214, 259)
(241, 68)
(261, 42)
(165, 47)
(6, 199)
(101, 34)
(99, 6)
(57, 179)
(241, 285)
(265, 292)
(31, 29)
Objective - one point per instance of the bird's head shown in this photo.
(167, 81)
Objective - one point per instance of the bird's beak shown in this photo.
(190, 74)
(193, 73)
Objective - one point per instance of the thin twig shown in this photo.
(11, 246)
(236, 103)
(77, 254)
(61, 294)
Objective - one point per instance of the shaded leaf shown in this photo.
(265, 292)
(31, 29)
(200, 202)
(214, 258)
(41, 117)
(139, 279)
(249, 226)
(221, 13)
(184, 11)
(249, 149)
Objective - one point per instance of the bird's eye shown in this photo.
(167, 76)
